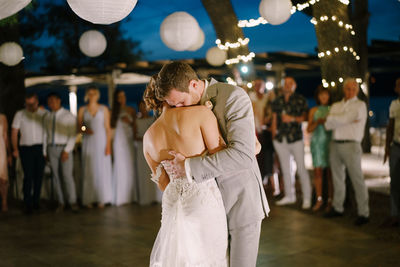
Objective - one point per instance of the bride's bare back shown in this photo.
(187, 130)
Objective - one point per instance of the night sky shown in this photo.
(297, 34)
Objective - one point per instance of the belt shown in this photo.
(344, 141)
(56, 145)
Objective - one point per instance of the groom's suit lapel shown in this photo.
(212, 91)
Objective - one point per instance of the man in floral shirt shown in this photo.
(289, 111)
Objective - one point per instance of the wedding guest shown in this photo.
(94, 124)
(392, 151)
(58, 145)
(5, 161)
(265, 158)
(148, 191)
(28, 123)
(320, 146)
(123, 121)
(289, 111)
(347, 120)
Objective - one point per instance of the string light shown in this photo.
(340, 23)
(231, 81)
(252, 22)
(244, 58)
(326, 83)
(337, 50)
(299, 7)
(228, 45)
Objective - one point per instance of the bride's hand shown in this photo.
(175, 167)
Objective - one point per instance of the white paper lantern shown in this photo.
(179, 31)
(92, 43)
(199, 42)
(216, 56)
(10, 7)
(275, 11)
(11, 53)
(102, 11)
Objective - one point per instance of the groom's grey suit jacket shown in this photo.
(235, 168)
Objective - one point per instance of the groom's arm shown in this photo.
(240, 151)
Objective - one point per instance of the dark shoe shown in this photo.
(333, 213)
(361, 220)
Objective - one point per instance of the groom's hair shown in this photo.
(174, 75)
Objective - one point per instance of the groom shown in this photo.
(235, 168)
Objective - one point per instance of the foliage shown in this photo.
(49, 33)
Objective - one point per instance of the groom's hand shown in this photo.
(175, 167)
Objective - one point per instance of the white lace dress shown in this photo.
(193, 229)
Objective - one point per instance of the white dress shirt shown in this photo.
(30, 126)
(347, 120)
(394, 113)
(64, 130)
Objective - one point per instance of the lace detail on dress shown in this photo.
(182, 189)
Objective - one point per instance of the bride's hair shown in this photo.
(150, 95)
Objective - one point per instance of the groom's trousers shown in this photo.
(243, 244)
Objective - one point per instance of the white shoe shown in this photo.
(285, 201)
(306, 204)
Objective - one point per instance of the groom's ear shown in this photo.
(193, 84)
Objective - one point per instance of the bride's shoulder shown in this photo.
(199, 108)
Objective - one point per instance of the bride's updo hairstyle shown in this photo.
(150, 95)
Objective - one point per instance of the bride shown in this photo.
(193, 227)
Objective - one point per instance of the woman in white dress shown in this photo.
(193, 228)
(5, 157)
(94, 124)
(147, 191)
(122, 119)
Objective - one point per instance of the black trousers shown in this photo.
(33, 162)
(266, 157)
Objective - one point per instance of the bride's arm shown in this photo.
(163, 179)
(210, 132)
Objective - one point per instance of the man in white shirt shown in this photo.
(28, 123)
(58, 143)
(347, 120)
(392, 150)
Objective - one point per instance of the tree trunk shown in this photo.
(225, 22)
(360, 19)
(340, 64)
(12, 87)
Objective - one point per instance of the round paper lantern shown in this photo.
(92, 43)
(216, 56)
(9, 8)
(199, 42)
(11, 53)
(275, 11)
(102, 11)
(179, 31)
